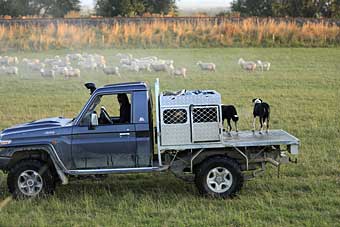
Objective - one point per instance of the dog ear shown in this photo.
(261, 100)
(253, 100)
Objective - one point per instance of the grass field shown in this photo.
(303, 90)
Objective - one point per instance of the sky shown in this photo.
(186, 4)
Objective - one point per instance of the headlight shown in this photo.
(5, 142)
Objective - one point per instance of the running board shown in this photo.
(118, 170)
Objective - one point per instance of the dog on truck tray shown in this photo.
(229, 112)
(261, 110)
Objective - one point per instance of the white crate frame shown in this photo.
(183, 134)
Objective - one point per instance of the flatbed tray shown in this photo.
(250, 139)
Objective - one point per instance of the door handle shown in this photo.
(124, 134)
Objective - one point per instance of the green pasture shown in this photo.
(303, 89)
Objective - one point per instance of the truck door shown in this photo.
(111, 144)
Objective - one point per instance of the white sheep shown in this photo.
(263, 65)
(177, 71)
(51, 61)
(71, 73)
(159, 66)
(2, 70)
(133, 67)
(3, 60)
(125, 61)
(6, 60)
(247, 65)
(35, 67)
(207, 66)
(99, 60)
(61, 63)
(13, 60)
(88, 65)
(124, 56)
(12, 70)
(142, 60)
(111, 70)
(143, 65)
(49, 73)
(60, 70)
(149, 58)
(167, 62)
(75, 57)
(27, 61)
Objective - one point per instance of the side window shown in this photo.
(110, 109)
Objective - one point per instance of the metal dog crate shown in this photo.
(189, 117)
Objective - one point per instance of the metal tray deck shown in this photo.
(249, 139)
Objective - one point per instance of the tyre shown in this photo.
(30, 178)
(219, 177)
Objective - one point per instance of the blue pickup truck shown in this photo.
(115, 132)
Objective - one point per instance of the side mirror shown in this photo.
(94, 121)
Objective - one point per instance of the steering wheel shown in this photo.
(105, 117)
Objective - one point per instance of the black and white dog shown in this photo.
(261, 110)
(229, 112)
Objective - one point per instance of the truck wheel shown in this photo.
(30, 178)
(219, 177)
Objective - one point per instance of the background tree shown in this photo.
(160, 6)
(59, 8)
(109, 8)
(253, 7)
(54, 8)
(292, 8)
(335, 9)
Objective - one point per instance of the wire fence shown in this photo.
(145, 20)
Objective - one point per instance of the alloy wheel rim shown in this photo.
(30, 183)
(219, 180)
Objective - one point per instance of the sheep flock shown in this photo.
(71, 65)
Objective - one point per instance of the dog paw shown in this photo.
(260, 132)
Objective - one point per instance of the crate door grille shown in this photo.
(205, 123)
(203, 115)
(175, 126)
(175, 116)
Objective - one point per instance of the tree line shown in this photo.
(106, 8)
(54, 8)
(290, 8)
(109, 8)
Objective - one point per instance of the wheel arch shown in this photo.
(39, 152)
(213, 153)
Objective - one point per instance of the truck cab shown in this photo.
(101, 140)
